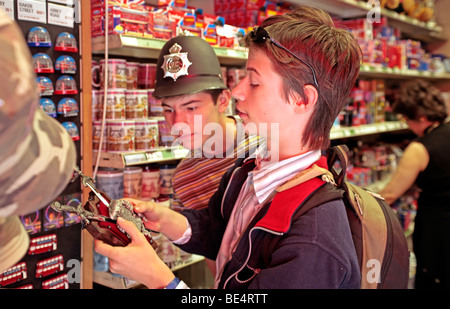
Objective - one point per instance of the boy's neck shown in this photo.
(228, 125)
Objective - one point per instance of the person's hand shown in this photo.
(151, 211)
(160, 218)
(137, 261)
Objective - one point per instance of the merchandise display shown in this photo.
(55, 59)
(136, 150)
(384, 48)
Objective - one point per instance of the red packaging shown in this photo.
(146, 75)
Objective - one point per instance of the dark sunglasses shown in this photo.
(260, 35)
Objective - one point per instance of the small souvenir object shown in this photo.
(52, 219)
(65, 41)
(117, 76)
(49, 266)
(60, 282)
(48, 106)
(72, 129)
(45, 86)
(146, 75)
(14, 274)
(68, 107)
(66, 65)
(42, 63)
(39, 37)
(99, 215)
(121, 135)
(42, 244)
(32, 222)
(66, 85)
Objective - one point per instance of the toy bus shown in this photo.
(49, 266)
(42, 244)
(13, 274)
(57, 283)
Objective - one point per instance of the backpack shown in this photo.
(377, 234)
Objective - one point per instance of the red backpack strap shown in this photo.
(289, 198)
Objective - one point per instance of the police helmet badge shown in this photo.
(176, 64)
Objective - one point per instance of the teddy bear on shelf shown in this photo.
(422, 10)
(425, 10)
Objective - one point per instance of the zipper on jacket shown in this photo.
(249, 251)
(226, 189)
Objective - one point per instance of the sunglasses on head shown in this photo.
(260, 35)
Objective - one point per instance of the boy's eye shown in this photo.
(191, 109)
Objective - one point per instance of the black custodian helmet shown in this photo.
(187, 64)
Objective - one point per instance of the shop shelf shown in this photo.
(369, 71)
(149, 48)
(158, 155)
(413, 28)
(367, 129)
(166, 154)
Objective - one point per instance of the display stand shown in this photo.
(59, 264)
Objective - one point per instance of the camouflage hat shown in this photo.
(186, 65)
(37, 155)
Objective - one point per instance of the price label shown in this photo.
(134, 158)
(157, 155)
(179, 153)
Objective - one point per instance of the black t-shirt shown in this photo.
(435, 179)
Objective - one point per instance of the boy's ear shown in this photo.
(311, 97)
(223, 100)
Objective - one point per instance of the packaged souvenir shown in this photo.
(66, 65)
(45, 86)
(66, 85)
(67, 107)
(39, 37)
(42, 63)
(65, 41)
(72, 129)
(48, 106)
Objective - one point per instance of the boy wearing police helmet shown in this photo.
(194, 98)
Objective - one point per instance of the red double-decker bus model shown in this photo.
(58, 283)
(13, 274)
(42, 244)
(50, 266)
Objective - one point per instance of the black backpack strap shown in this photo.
(339, 154)
(324, 194)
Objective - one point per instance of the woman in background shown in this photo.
(426, 163)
